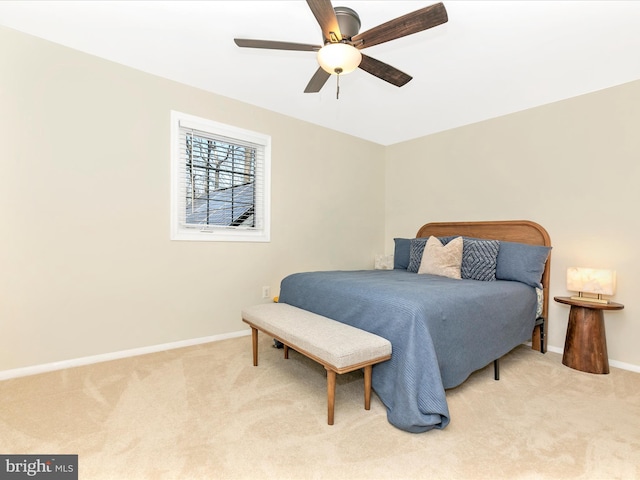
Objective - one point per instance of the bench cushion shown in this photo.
(339, 344)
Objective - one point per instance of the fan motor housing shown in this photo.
(348, 21)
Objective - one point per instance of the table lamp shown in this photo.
(591, 283)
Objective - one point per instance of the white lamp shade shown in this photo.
(591, 280)
(339, 58)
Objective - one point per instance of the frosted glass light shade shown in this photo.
(591, 280)
(339, 58)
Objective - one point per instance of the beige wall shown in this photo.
(86, 264)
(572, 166)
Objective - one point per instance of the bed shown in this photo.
(442, 329)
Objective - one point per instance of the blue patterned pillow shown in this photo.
(416, 250)
(480, 259)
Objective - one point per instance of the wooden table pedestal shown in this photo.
(585, 346)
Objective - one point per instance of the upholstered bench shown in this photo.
(340, 348)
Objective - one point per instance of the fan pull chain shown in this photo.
(338, 71)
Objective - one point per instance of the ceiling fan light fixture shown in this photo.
(339, 58)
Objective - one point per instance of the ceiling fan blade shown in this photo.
(317, 81)
(383, 71)
(275, 45)
(326, 17)
(413, 22)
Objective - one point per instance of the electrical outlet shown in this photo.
(266, 292)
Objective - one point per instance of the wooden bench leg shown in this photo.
(331, 394)
(286, 352)
(367, 387)
(254, 341)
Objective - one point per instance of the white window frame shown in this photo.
(179, 229)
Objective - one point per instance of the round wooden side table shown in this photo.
(585, 346)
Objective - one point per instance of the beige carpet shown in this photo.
(205, 412)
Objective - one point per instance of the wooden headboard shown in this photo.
(523, 231)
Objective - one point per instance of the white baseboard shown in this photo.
(612, 363)
(551, 348)
(624, 366)
(77, 362)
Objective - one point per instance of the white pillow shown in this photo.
(445, 261)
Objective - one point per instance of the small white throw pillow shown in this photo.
(443, 260)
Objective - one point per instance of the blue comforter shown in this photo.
(441, 330)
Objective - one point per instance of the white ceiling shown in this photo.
(490, 59)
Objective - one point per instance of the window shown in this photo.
(220, 181)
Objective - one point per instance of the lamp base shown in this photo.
(590, 299)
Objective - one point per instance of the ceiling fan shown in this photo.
(340, 52)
